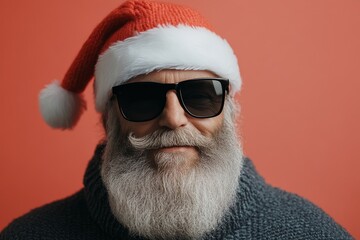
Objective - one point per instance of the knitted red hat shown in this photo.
(138, 37)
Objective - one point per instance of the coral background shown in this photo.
(300, 117)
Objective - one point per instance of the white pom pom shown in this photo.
(59, 107)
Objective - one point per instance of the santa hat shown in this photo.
(137, 38)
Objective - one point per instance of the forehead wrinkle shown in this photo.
(172, 76)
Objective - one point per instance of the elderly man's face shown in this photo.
(173, 116)
(157, 187)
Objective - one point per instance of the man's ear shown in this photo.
(109, 107)
(231, 93)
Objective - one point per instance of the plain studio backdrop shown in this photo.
(300, 119)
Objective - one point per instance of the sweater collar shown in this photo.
(249, 194)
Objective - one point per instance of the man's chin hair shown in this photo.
(171, 204)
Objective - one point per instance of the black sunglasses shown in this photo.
(144, 101)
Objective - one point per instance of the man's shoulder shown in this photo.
(56, 220)
(272, 213)
(296, 216)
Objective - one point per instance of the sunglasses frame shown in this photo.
(117, 92)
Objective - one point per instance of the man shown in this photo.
(171, 166)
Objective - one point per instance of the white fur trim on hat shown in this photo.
(165, 47)
(59, 107)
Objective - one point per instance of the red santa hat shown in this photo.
(137, 38)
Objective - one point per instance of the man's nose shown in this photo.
(173, 115)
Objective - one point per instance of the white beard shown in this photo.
(171, 204)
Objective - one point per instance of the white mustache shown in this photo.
(170, 138)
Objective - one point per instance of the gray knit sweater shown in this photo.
(260, 212)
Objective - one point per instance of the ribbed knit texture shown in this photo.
(260, 212)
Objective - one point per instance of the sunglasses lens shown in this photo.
(203, 98)
(141, 101)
